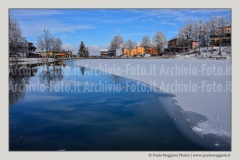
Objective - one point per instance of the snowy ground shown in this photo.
(200, 86)
(28, 60)
(206, 53)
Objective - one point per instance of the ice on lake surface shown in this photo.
(52, 120)
(192, 73)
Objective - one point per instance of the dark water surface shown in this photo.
(55, 119)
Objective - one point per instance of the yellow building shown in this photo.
(139, 51)
(152, 51)
(224, 38)
(60, 54)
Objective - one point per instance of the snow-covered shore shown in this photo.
(200, 86)
(28, 60)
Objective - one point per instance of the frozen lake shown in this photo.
(200, 86)
(73, 108)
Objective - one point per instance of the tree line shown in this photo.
(17, 43)
(46, 42)
(159, 41)
(202, 30)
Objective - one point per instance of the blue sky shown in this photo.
(96, 27)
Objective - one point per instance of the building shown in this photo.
(27, 50)
(175, 47)
(223, 36)
(104, 52)
(31, 48)
(107, 53)
(62, 54)
(112, 53)
(139, 51)
(173, 43)
(32, 51)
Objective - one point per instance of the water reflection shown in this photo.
(19, 76)
(51, 73)
(82, 70)
(91, 121)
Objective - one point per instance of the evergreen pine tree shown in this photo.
(81, 51)
(86, 53)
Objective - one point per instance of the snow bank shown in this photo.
(206, 52)
(200, 86)
(28, 60)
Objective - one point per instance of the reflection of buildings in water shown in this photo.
(82, 70)
(19, 76)
(51, 74)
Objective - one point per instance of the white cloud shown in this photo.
(36, 28)
(94, 49)
(168, 23)
(74, 49)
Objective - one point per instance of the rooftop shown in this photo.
(103, 50)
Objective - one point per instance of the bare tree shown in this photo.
(204, 34)
(146, 43)
(212, 27)
(130, 44)
(116, 43)
(207, 36)
(222, 23)
(17, 43)
(187, 34)
(47, 39)
(47, 42)
(159, 41)
(216, 29)
(40, 43)
(181, 39)
(200, 33)
(56, 44)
